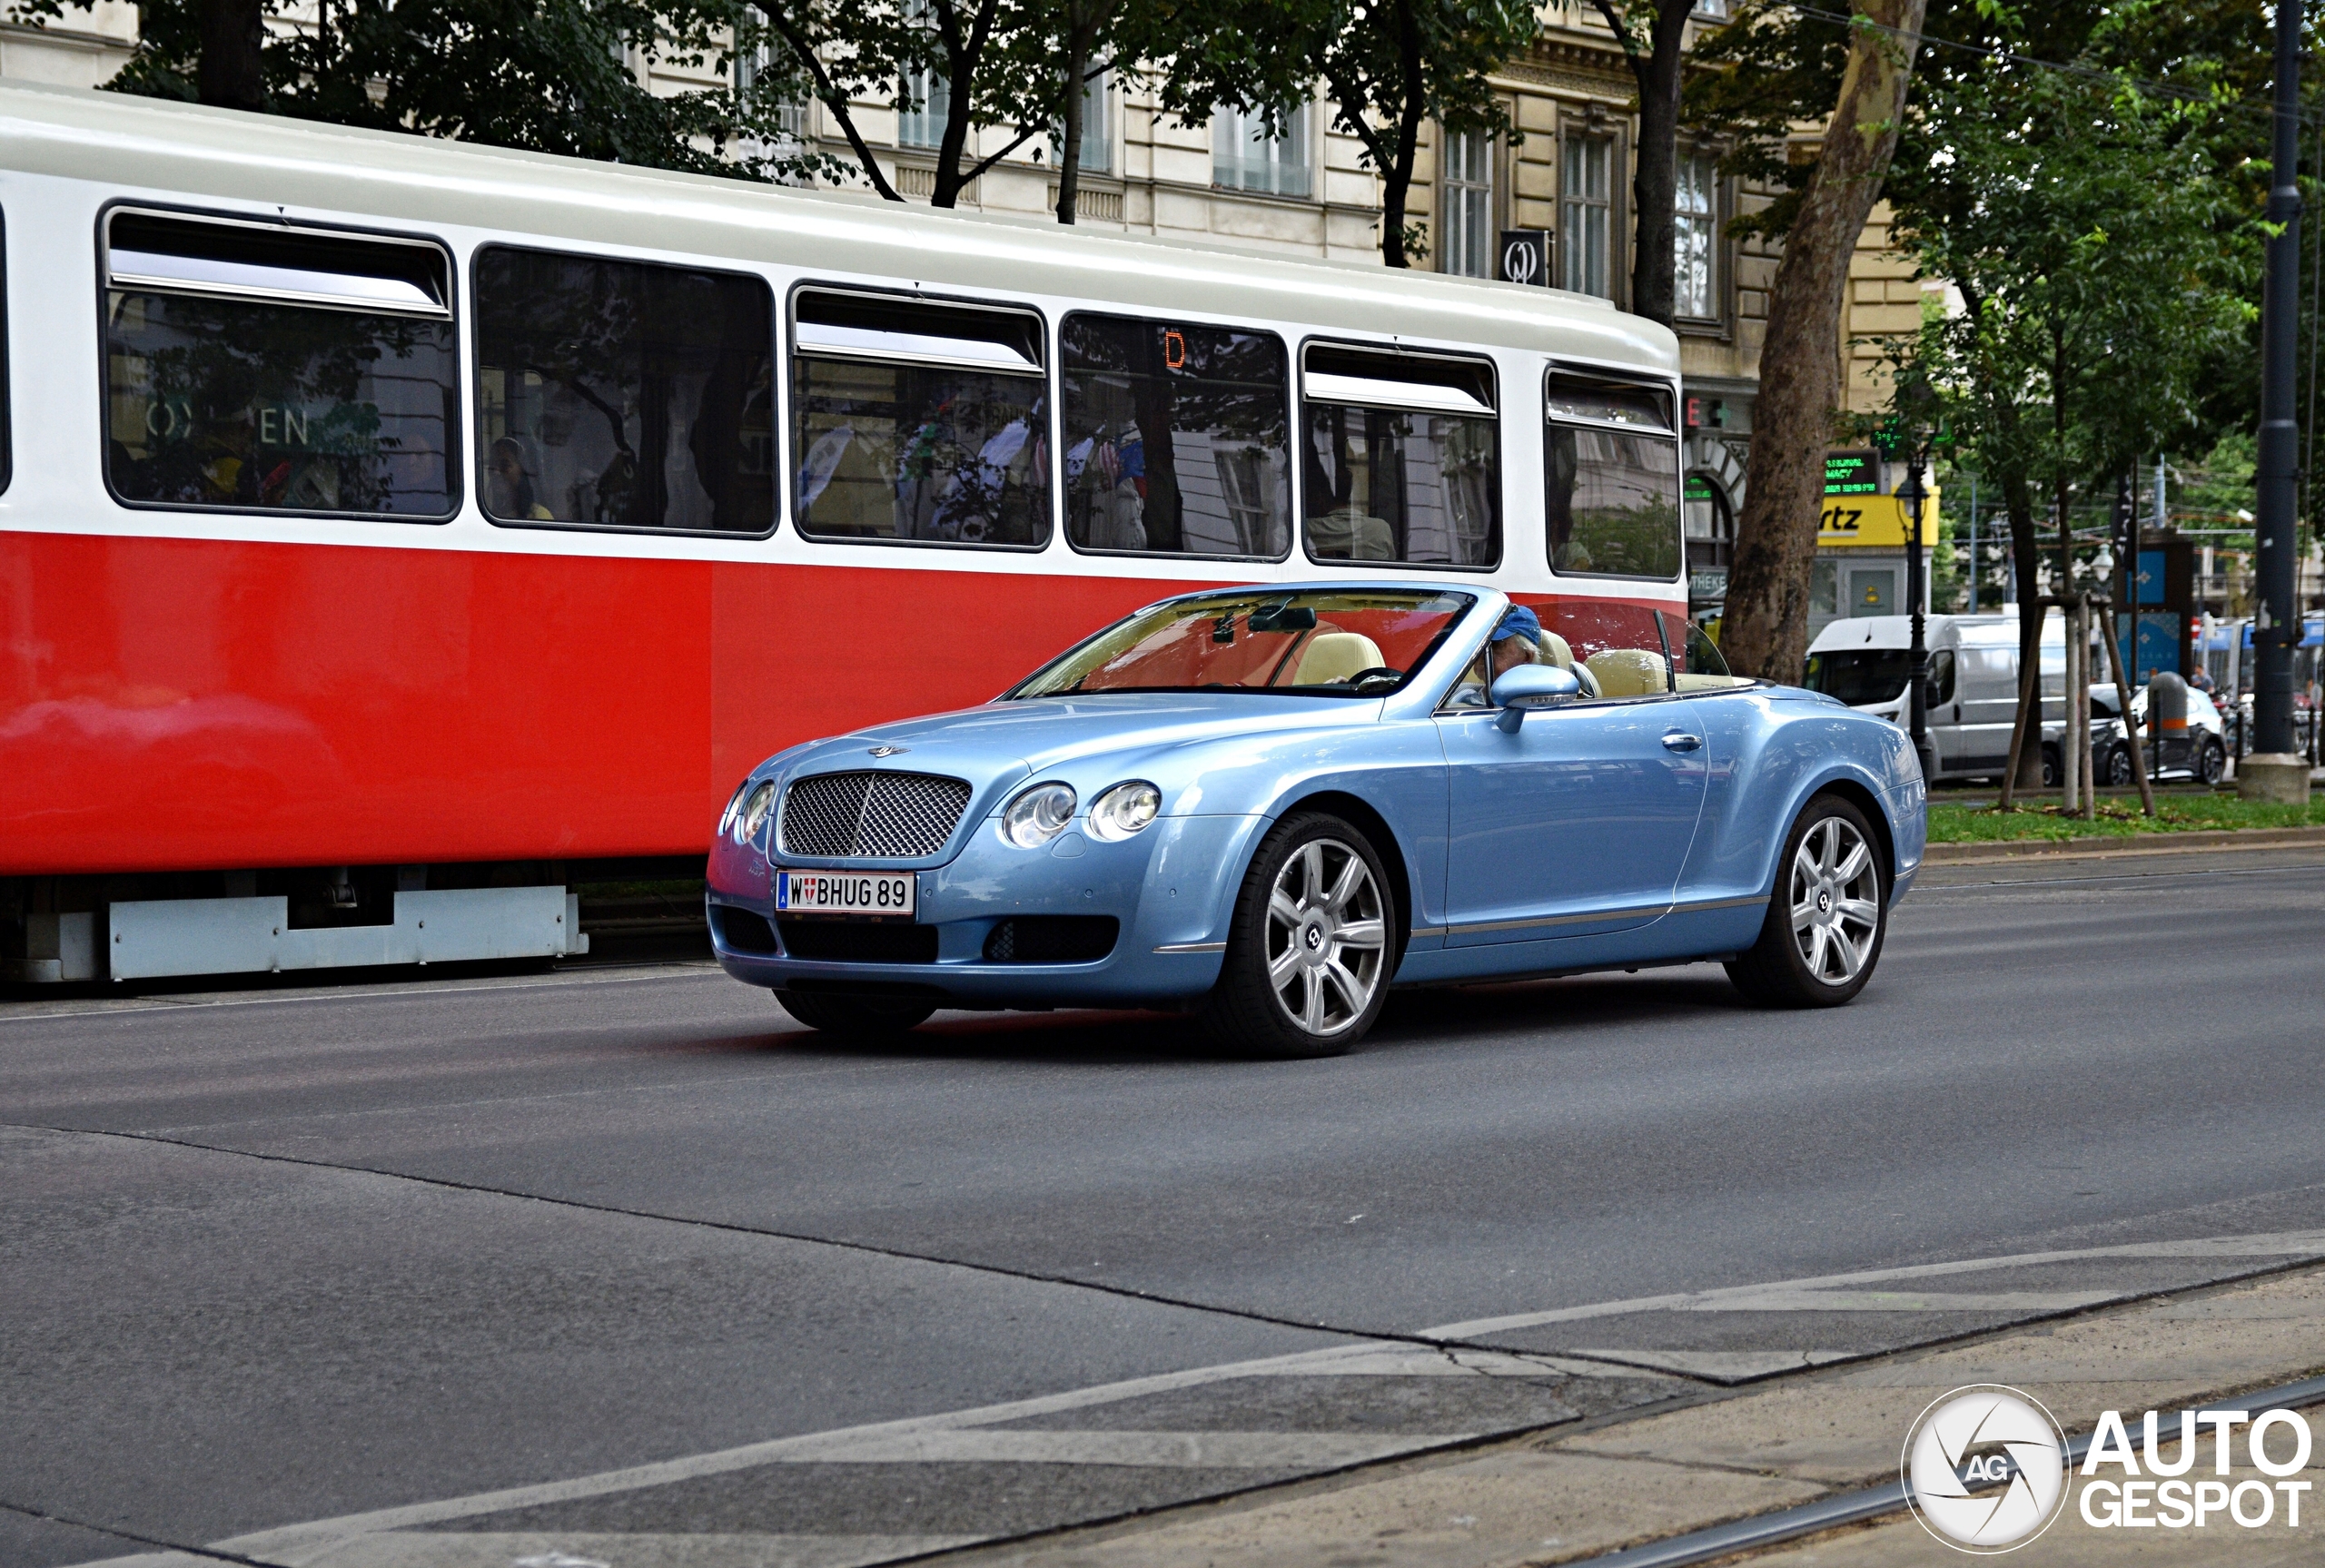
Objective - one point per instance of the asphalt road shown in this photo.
(310, 1255)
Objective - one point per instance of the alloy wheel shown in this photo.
(1326, 937)
(1835, 901)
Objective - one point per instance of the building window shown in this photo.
(1695, 235)
(757, 65)
(924, 89)
(1097, 128)
(1468, 224)
(1245, 157)
(1585, 213)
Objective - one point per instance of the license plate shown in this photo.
(857, 893)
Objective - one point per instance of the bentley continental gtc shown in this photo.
(1268, 806)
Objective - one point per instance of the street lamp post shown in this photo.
(1916, 606)
(2275, 771)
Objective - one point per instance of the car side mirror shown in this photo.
(1531, 687)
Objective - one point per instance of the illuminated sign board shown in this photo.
(1851, 473)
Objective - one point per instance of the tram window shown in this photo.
(1177, 438)
(1611, 480)
(920, 421)
(254, 366)
(1403, 460)
(623, 394)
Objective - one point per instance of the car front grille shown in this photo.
(875, 815)
(858, 941)
(1052, 938)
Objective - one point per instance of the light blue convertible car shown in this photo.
(1269, 805)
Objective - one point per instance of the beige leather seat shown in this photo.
(1334, 656)
(1555, 651)
(1629, 672)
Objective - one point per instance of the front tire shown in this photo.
(2117, 768)
(1312, 945)
(2212, 761)
(863, 1018)
(1828, 918)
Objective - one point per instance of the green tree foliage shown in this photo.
(1390, 66)
(2105, 248)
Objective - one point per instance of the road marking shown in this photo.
(1903, 1301)
(1726, 1365)
(316, 1544)
(2277, 1244)
(1158, 1450)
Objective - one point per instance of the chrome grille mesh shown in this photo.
(876, 816)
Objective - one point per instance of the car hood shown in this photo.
(1002, 742)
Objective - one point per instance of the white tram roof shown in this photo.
(305, 168)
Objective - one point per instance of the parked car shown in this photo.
(1972, 697)
(2200, 752)
(1268, 804)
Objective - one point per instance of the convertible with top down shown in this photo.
(1268, 806)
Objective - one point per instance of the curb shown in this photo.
(2098, 846)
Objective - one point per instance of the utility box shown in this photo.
(2157, 635)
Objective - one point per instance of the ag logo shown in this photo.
(888, 750)
(1986, 1469)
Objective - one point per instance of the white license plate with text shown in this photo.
(844, 893)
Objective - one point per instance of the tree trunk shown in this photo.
(1397, 173)
(1078, 45)
(230, 73)
(2025, 559)
(1654, 188)
(1765, 628)
(1069, 154)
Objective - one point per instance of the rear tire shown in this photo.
(1828, 916)
(856, 1017)
(2051, 767)
(1311, 947)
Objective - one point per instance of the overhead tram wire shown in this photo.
(2089, 73)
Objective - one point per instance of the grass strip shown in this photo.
(2116, 819)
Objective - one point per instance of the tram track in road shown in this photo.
(367, 1251)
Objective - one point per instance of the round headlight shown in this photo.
(754, 814)
(734, 804)
(1038, 815)
(1124, 810)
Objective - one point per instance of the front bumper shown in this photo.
(1171, 888)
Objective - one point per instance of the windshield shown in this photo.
(1860, 677)
(1321, 643)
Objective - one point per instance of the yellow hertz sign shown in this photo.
(1872, 520)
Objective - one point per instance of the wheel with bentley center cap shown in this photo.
(1829, 913)
(1312, 944)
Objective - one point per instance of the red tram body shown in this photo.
(202, 699)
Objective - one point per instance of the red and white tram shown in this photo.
(396, 533)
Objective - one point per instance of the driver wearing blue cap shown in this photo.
(1517, 640)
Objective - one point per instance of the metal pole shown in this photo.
(1917, 651)
(1973, 544)
(2277, 626)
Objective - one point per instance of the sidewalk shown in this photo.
(1559, 1498)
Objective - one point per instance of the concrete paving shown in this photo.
(620, 1255)
(1570, 1498)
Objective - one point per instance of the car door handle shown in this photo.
(1681, 741)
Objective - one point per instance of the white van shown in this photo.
(1973, 680)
